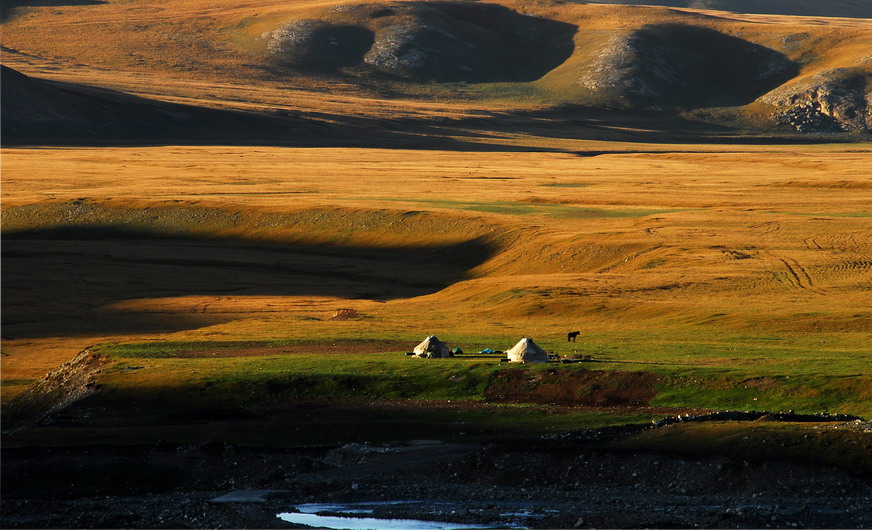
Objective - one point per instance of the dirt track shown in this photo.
(550, 484)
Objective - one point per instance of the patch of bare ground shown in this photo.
(759, 383)
(344, 314)
(588, 387)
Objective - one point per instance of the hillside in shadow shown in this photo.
(685, 66)
(39, 112)
(426, 41)
(58, 281)
(10, 8)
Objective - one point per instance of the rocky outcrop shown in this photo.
(318, 44)
(415, 49)
(426, 41)
(833, 100)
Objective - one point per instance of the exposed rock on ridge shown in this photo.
(833, 100)
(314, 43)
(427, 41)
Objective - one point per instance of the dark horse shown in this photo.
(570, 337)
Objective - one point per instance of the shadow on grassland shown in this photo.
(44, 113)
(580, 122)
(38, 112)
(59, 281)
(9, 9)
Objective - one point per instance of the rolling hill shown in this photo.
(381, 59)
(38, 111)
(427, 41)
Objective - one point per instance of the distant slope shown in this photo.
(355, 66)
(44, 110)
(811, 8)
(36, 111)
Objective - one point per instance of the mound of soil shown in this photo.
(41, 112)
(592, 388)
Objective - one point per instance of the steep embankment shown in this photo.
(60, 388)
(838, 99)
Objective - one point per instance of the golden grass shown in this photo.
(811, 180)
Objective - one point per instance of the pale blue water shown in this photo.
(309, 514)
(371, 523)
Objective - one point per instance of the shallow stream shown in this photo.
(377, 515)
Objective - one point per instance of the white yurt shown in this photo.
(432, 348)
(527, 351)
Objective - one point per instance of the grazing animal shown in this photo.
(570, 337)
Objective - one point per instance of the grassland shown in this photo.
(740, 286)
